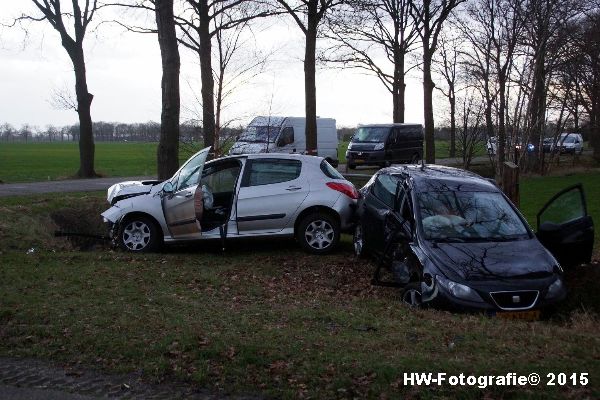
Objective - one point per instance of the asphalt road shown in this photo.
(70, 185)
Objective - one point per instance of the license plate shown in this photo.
(359, 161)
(532, 315)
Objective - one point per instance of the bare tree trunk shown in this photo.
(310, 89)
(206, 76)
(538, 109)
(84, 103)
(501, 140)
(167, 153)
(428, 87)
(452, 101)
(219, 104)
(398, 87)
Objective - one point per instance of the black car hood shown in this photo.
(525, 259)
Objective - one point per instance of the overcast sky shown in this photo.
(124, 72)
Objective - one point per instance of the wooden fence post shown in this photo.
(510, 182)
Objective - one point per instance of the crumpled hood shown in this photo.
(493, 260)
(129, 189)
(249, 148)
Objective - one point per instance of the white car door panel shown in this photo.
(264, 207)
(178, 207)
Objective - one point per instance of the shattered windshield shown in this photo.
(370, 135)
(469, 216)
(259, 134)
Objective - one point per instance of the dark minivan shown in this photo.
(385, 144)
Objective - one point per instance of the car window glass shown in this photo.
(371, 134)
(384, 189)
(469, 216)
(265, 172)
(189, 174)
(329, 171)
(222, 179)
(567, 207)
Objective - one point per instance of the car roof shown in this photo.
(291, 156)
(388, 125)
(433, 178)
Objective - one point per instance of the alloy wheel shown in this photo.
(136, 235)
(319, 234)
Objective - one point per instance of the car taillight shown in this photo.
(347, 189)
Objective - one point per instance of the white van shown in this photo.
(287, 135)
(570, 143)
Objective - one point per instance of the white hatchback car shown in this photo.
(235, 197)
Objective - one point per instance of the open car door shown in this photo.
(565, 228)
(178, 203)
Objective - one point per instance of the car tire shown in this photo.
(318, 233)
(139, 234)
(411, 295)
(358, 242)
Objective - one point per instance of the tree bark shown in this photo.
(206, 76)
(398, 87)
(538, 109)
(452, 101)
(428, 87)
(84, 103)
(310, 90)
(167, 153)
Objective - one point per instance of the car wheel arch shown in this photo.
(315, 209)
(129, 216)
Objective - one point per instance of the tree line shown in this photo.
(102, 131)
(517, 70)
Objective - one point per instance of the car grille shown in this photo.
(362, 147)
(515, 300)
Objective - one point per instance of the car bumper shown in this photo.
(345, 207)
(441, 298)
(365, 157)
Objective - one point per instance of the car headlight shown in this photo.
(379, 146)
(556, 289)
(458, 290)
(350, 146)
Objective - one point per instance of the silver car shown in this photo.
(235, 197)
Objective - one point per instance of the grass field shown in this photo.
(32, 162)
(256, 320)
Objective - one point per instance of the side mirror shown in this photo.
(168, 188)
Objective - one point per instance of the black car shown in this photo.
(451, 238)
(385, 144)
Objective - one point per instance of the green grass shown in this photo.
(262, 318)
(536, 191)
(30, 162)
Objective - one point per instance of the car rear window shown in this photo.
(329, 171)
